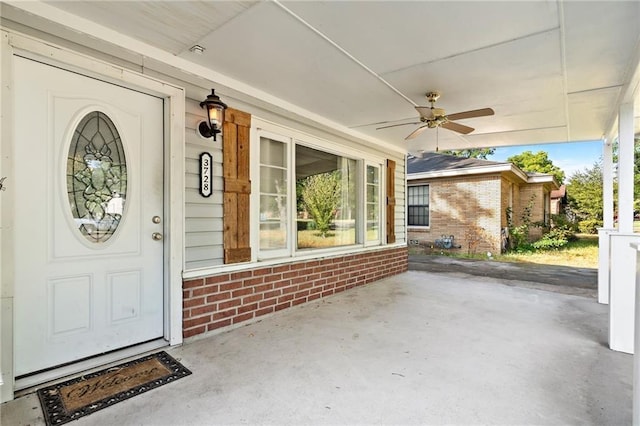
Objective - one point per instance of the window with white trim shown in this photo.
(313, 196)
(326, 194)
(274, 223)
(418, 205)
(372, 203)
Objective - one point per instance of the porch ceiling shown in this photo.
(553, 71)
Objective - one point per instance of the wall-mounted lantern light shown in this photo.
(215, 116)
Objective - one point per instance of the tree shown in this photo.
(321, 195)
(584, 193)
(481, 153)
(537, 163)
(636, 170)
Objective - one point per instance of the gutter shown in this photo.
(478, 170)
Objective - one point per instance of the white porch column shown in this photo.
(6, 363)
(622, 292)
(607, 182)
(625, 168)
(604, 264)
(607, 215)
(636, 359)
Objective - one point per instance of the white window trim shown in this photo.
(381, 209)
(255, 202)
(259, 124)
(263, 128)
(418, 227)
(332, 149)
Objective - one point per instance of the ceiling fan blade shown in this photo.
(471, 114)
(396, 125)
(417, 131)
(425, 112)
(457, 127)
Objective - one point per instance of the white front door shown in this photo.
(88, 216)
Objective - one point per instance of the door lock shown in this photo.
(156, 219)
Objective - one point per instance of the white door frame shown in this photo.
(174, 124)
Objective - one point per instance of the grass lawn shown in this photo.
(582, 253)
(313, 239)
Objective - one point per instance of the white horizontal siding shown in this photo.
(202, 238)
(193, 196)
(203, 215)
(202, 256)
(207, 224)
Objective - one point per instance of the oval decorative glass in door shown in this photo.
(96, 177)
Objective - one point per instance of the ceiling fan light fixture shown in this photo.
(433, 118)
(438, 112)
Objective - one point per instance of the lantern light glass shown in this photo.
(215, 116)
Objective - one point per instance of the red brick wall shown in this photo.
(226, 299)
(533, 193)
(506, 191)
(467, 207)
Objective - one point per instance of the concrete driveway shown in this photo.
(556, 278)
(417, 348)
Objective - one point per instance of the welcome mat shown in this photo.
(70, 400)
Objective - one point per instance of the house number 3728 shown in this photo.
(205, 174)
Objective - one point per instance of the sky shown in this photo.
(570, 157)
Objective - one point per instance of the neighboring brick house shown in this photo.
(559, 200)
(468, 198)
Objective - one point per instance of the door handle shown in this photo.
(156, 236)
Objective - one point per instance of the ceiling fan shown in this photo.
(433, 117)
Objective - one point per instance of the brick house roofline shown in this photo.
(543, 178)
(559, 193)
(433, 165)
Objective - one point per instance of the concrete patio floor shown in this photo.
(417, 348)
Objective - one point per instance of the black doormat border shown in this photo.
(55, 412)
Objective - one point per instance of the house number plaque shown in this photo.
(205, 174)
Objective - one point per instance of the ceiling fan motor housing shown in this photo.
(435, 122)
(432, 96)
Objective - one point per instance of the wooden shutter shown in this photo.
(391, 201)
(237, 186)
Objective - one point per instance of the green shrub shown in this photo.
(589, 226)
(558, 233)
(554, 239)
(525, 248)
(561, 221)
(519, 236)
